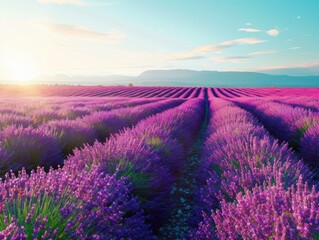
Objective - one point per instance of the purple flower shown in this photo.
(28, 148)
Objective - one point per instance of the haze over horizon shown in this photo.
(99, 38)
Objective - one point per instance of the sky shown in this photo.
(127, 37)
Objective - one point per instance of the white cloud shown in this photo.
(294, 48)
(261, 52)
(182, 57)
(235, 59)
(202, 51)
(249, 30)
(273, 32)
(60, 2)
(83, 32)
(77, 2)
(300, 65)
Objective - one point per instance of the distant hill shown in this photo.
(182, 77)
(224, 79)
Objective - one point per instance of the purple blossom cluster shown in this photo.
(8, 119)
(28, 148)
(107, 122)
(271, 212)
(69, 134)
(310, 103)
(309, 145)
(242, 161)
(61, 205)
(104, 191)
(41, 110)
(285, 122)
(44, 136)
(150, 155)
(44, 115)
(296, 125)
(109, 167)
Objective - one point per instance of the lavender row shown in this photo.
(303, 102)
(255, 182)
(295, 125)
(99, 125)
(151, 155)
(50, 143)
(91, 196)
(309, 144)
(36, 111)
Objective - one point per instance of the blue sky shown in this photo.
(102, 37)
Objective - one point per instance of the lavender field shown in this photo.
(159, 163)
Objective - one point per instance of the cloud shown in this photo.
(106, 4)
(203, 51)
(261, 52)
(273, 32)
(83, 32)
(248, 24)
(77, 2)
(294, 48)
(298, 69)
(248, 30)
(184, 57)
(234, 59)
(301, 65)
(301, 69)
(61, 2)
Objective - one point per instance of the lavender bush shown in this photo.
(28, 148)
(59, 205)
(238, 156)
(271, 212)
(309, 145)
(70, 134)
(144, 155)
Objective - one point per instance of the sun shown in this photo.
(20, 69)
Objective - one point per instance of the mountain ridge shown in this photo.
(187, 78)
(228, 79)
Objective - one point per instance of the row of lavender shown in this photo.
(36, 111)
(151, 155)
(26, 143)
(258, 186)
(110, 190)
(101, 91)
(310, 103)
(228, 93)
(150, 92)
(294, 121)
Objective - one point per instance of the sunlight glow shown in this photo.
(20, 69)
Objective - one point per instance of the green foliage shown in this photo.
(41, 212)
(154, 142)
